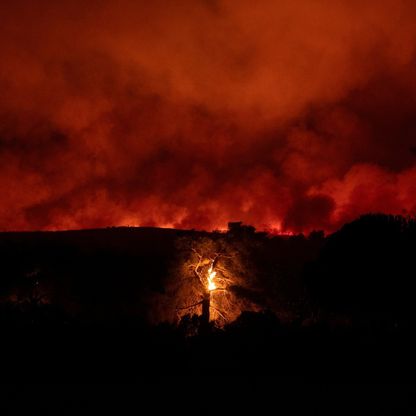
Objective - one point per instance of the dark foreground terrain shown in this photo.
(85, 306)
(128, 355)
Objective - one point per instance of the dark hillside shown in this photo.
(113, 273)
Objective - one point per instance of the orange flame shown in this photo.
(211, 276)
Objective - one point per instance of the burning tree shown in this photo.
(210, 273)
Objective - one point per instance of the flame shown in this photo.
(211, 276)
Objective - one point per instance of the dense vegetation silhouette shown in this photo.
(366, 271)
(99, 302)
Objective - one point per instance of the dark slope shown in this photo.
(99, 273)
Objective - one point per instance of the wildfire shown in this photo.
(211, 276)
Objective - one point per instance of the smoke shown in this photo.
(286, 115)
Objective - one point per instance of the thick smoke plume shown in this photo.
(286, 115)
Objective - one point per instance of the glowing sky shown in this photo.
(190, 113)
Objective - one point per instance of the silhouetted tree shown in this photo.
(208, 277)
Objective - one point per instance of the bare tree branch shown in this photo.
(219, 312)
(225, 279)
(197, 253)
(196, 271)
(190, 306)
(220, 254)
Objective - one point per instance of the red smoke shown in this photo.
(287, 115)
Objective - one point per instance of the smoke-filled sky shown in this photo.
(290, 115)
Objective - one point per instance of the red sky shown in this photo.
(189, 113)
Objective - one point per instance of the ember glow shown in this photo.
(211, 276)
(190, 114)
